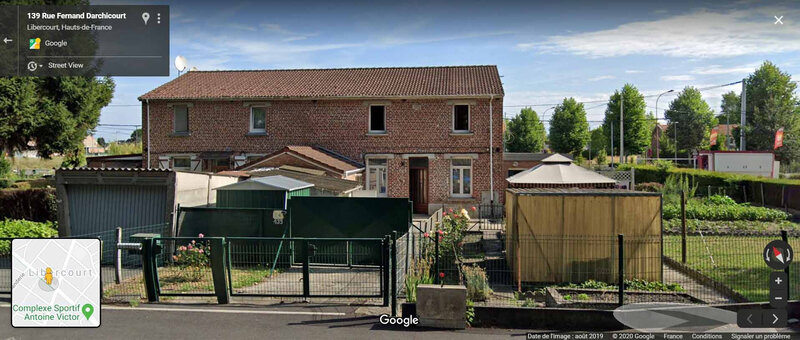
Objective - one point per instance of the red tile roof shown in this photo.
(440, 81)
(315, 154)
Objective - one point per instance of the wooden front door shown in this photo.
(418, 184)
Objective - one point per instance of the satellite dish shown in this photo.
(180, 63)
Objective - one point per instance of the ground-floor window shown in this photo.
(376, 175)
(461, 177)
(181, 163)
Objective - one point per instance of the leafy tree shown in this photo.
(74, 158)
(525, 132)
(57, 113)
(602, 157)
(569, 130)
(730, 109)
(694, 119)
(136, 136)
(597, 142)
(102, 142)
(637, 132)
(772, 104)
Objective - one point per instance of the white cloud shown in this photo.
(700, 34)
(598, 78)
(633, 71)
(717, 69)
(682, 77)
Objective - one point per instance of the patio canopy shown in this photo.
(558, 170)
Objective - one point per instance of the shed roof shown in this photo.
(558, 169)
(383, 82)
(272, 183)
(526, 156)
(580, 192)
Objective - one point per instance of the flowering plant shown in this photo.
(193, 258)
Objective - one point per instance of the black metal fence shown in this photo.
(543, 270)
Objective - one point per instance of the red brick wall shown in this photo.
(413, 126)
(520, 165)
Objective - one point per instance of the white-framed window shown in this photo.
(376, 175)
(461, 118)
(182, 163)
(258, 119)
(461, 177)
(377, 119)
(180, 122)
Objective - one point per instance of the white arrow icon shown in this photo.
(7, 40)
(776, 319)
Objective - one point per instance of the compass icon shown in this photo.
(778, 254)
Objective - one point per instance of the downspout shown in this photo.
(491, 151)
(148, 132)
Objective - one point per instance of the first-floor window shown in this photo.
(181, 163)
(376, 175)
(461, 177)
(258, 119)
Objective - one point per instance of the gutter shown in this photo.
(148, 133)
(491, 151)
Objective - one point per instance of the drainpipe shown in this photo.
(148, 132)
(491, 151)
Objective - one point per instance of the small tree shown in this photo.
(569, 130)
(525, 132)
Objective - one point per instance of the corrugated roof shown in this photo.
(579, 191)
(436, 81)
(272, 183)
(327, 183)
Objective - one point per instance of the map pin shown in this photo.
(145, 17)
(87, 310)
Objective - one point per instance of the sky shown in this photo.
(544, 50)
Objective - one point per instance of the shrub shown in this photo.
(193, 258)
(5, 166)
(635, 284)
(719, 200)
(22, 228)
(6, 183)
(477, 283)
(419, 272)
(650, 187)
(698, 209)
(38, 205)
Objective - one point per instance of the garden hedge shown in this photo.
(743, 188)
(33, 205)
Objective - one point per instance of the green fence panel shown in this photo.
(326, 217)
(229, 222)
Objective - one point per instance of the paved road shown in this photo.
(240, 322)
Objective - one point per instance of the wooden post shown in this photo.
(621, 269)
(762, 194)
(515, 239)
(118, 258)
(683, 226)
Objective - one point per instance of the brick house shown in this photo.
(420, 132)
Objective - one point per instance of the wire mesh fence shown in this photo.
(720, 268)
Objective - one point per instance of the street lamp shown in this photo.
(658, 140)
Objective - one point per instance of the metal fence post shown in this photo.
(621, 269)
(218, 276)
(149, 268)
(385, 274)
(683, 226)
(785, 237)
(118, 258)
(304, 254)
(436, 257)
(394, 273)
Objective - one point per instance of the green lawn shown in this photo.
(734, 261)
(171, 281)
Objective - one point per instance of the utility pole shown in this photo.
(658, 126)
(743, 121)
(621, 126)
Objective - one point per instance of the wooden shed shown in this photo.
(570, 235)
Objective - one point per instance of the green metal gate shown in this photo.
(308, 267)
